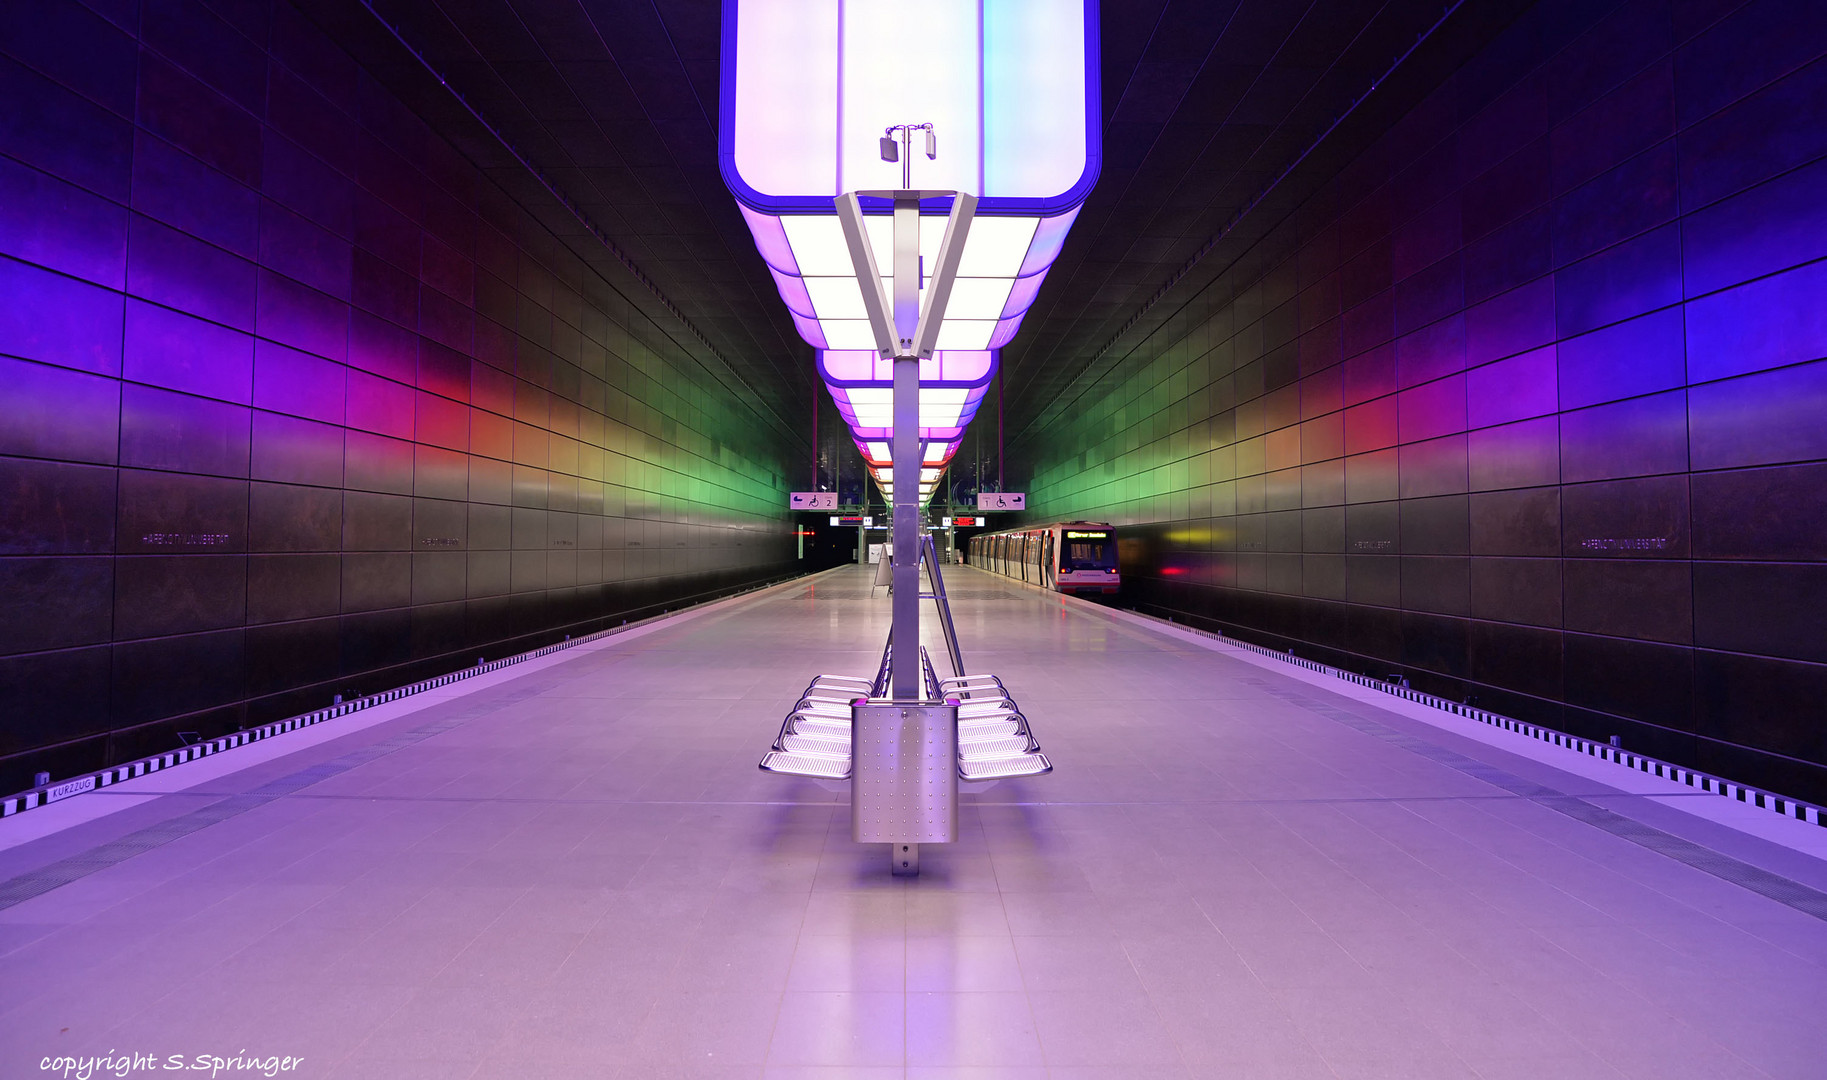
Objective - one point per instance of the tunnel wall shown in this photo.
(294, 402)
(1527, 404)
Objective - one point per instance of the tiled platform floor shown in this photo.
(583, 874)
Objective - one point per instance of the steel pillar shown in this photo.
(906, 682)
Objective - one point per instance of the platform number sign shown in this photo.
(813, 500)
(1002, 500)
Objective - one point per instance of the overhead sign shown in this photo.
(855, 520)
(1002, 500)
(963, 522)
(813, 500)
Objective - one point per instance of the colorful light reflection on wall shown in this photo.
(1011, 88)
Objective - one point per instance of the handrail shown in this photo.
(930, 555)
(880, 686)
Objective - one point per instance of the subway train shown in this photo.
(1070, 556)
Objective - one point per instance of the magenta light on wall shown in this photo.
(809, 87)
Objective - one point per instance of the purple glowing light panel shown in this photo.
(1011, 89)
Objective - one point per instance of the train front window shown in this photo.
(1088, 551)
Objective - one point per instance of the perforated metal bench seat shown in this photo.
(1005, 767)
(799, 763)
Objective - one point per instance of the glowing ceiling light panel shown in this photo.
(952, 385)
(1011, 89)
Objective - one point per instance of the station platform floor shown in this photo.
(573, 868)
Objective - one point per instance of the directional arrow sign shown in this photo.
(813, 500)
(1002, 500)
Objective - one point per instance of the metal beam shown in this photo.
(868, 278)
(945, 272)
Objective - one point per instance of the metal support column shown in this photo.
(904, 786)
(905, 684)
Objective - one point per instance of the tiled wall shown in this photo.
(1528, 404)
(293, 402)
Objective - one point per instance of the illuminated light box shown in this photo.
(952, 385)
(1011, 89)
(809, 86)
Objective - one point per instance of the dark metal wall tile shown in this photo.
(488, 573)
(292, 654)
(58, 225)
(1523, 522)
(377, 463)
(1644, 518)
(1769, 609)
(158, 595)
(57, 129)
(1771, 227)
(1634, 277)
(1323, 530)
(438, 628)
(1437, 584)
(189, 34)
(1521, 658)
(286, 587)
(373, 522)
(298, 384)
(51, 508)
(186, 194)
(1767, 419)
(1769, 132)
(179, 271)
(376, 580)
(1516, 590)
(1518, 455)
(168, 513)
(1282, 531)
(1751, 700)
(439, 576)
(1436, 644)
(1774, 513)
(1765, 324)
(1638, 356)
(1639, 437)
(75, 46)
(1647, 600)
(178, 351)
(52, 697)
(374, 640)
(1373, 579)
(161, 429)
(1630, 199)
(1637, 679)
(288, 517)
(1437, 467)
(55, 603)
(198, 119)
(1323, 576)
(175, 675)
(59, 320)
(444, 474)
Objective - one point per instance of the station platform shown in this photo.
(573, 868)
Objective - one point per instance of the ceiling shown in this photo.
(1206, 104)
